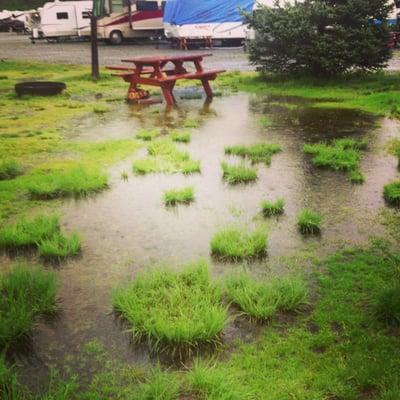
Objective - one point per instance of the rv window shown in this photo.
(116, 6)
(62, 15)
(146, 5)
(85, 14)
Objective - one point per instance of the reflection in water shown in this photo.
(127, 228)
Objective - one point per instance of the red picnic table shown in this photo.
(154, 71)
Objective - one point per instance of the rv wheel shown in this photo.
(116, 37)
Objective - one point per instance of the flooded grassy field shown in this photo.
(128, 228)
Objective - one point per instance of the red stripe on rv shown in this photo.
(138, 16)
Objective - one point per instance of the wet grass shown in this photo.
(309, 222)
(148, 135)
(190, 123)
(257, 153)
(356, 177)
(387, 305)
(236, 174)
(27, 292)
(165, 157)
(273, 208)
(43, 233)
(391, 193)
(181, 137)
(179, 196)
(10, 169)
(73, 182)
(176, 311)
(237, 244)
(261, 300)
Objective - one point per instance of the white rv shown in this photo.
(129, 19)
(63, 19)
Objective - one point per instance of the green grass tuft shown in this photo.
(9, 169)
(261, 152)
(190, 123)
(391, 193)
(356, 177)
(387, 305)
(148, 135)
(263, 299)
(236, 244)
(178, 196)
(165, 157)
(235, 174)
(309, 221)
(270, 208)
(181, 137)
(101, 109)
(74, 182)
(60, 246)
(27, 292)
(173, 309)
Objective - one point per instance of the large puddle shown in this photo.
(127, 228)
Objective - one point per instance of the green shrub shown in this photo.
(148, 135)
(261, 152)
(309, 221)
(237, 244)
(181, 137)
(173, 309)
(387, 306)
(9, 169)
(270, 208)
(316, 37)
(391, 193)
(9, 387)
(76, 182)
(60, 246)
(179, 196)
(235, 174)
(26, 293)
(263, 299)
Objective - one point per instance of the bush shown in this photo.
(173, 309)
(9, 169)
(270, 208)
(387, 307)
(309, 221)
(320, 37)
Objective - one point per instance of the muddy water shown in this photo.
(127, 228)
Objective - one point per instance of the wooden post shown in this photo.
(94, 47)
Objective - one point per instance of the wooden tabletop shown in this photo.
(151, 60)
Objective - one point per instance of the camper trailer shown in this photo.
(65, 19)
(218, 20)
(130, 19)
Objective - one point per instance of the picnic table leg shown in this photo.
(207, 88)
(167, 92)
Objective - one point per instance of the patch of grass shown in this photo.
(260, 152)
(356, 177)
(27, 292)
(148, 135)
(60, 246)
(179, 196)
(73, 182)
(237, 244)
(263, 299)
(29, 232)
(181, 137)
(342, 154)
(387, 305)
(9, 169)
(309, 221)
(165, 157)
(124, 176)
(101, 109)
(391, 193)
(10, 389)
(190, 123)
(235, 174)
(271, 208)
(173, 310)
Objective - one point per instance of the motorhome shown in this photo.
(64, 19)
(130, 19)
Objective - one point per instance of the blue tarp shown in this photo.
(184, 12)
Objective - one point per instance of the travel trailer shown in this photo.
(65, 19)
(218, 20)
(130, 19)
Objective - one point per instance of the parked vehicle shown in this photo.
(12, 25)
(65, 19)
(130, 19)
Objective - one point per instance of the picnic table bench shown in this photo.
(154, 71)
